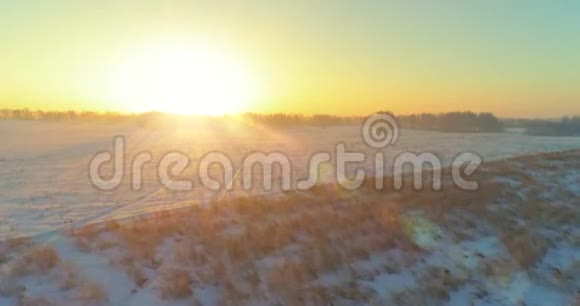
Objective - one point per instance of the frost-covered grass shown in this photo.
(513, 242)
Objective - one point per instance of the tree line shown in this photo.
(465, 122)
(27, 114)
(566, 126)
(468, 122)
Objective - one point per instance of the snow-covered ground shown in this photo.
(514, 241)
(44, 181)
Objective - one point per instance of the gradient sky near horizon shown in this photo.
(513, 58)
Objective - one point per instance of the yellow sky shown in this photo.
(337, 57)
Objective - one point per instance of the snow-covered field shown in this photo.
(44, 165)
(515, 241)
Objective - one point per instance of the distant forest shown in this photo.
(446, 122)
(466, 122)
(567, 126)
(26, 114)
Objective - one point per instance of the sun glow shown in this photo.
(183, 79)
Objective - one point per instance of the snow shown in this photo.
(387, 284)
(44, 165)
(563, 257)
(572, 182)
(462, 297)
(44, 188)
(520, 289)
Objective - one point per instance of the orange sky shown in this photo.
(335, 57)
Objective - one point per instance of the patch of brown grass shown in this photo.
(111, 225)
(11, 247)
(34, 301)
(525, 247)
(439, 282)
(498, 268)
(319, 295)
(92, 293)
(353, 292)
(38, 260)
(136, 274)
(175, 283)
(286, 281)
(139, 245)
(88, 231)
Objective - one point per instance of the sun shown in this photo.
(182, 79)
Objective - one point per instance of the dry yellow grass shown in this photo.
(175, 283)
(10, 247)
(38, 260)
(321, 232)
(525, 247)
(92, 293)
(440, 282)
(34, 301)
(135, 273)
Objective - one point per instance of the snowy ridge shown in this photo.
(515, 241)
